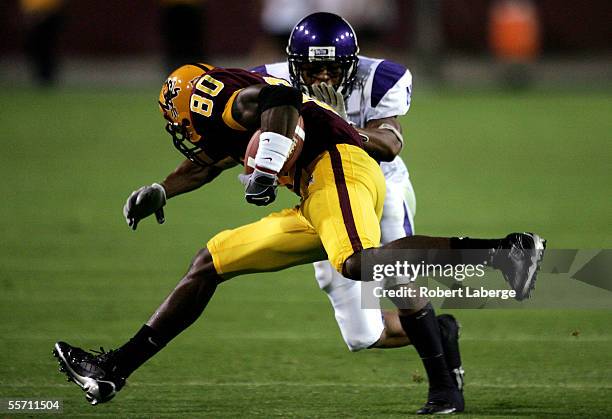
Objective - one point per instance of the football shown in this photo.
(294, 153)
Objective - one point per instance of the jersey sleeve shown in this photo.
(390, 91)
(280, 70)
(261, 69)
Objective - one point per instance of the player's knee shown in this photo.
(202, 268)
(324, 273)
(352, 267)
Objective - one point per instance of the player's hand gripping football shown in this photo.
(261, 188)
(144, 202)
(326, 93)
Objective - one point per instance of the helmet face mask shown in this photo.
(332, 68)
(318, 39)
(181, 140)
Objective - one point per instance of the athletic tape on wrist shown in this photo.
(394, 130)
(273, 151)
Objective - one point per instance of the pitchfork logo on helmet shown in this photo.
(170, 92)
(323, 37)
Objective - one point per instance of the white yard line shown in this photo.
(567, 386)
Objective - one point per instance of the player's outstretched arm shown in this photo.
(189, 176)
(384, 138)
(186, 177)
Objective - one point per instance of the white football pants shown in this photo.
(361, 328)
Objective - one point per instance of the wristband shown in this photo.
(394, 130)
(273, 151)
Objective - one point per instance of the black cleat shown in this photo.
(94, 373)
(437, 408)
(449, 332)
(519, 258)
(443, 404)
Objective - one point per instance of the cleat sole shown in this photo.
(539, 245)
(90, 386)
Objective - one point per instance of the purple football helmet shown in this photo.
(319, 38)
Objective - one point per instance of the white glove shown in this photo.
(326, 93)
(144, 202)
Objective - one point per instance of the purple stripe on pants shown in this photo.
(407, 226)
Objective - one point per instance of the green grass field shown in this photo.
(267, 346)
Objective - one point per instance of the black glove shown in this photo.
(144, 202)
(261, 188)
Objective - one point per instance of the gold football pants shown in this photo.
(342, 201)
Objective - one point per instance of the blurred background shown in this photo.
(466, 43)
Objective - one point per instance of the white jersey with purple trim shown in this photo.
(382, 89)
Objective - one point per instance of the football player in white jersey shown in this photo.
(370, 93)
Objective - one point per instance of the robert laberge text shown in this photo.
(437, 292)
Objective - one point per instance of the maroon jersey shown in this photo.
(222, 136)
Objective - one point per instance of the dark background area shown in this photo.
(232, 27)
